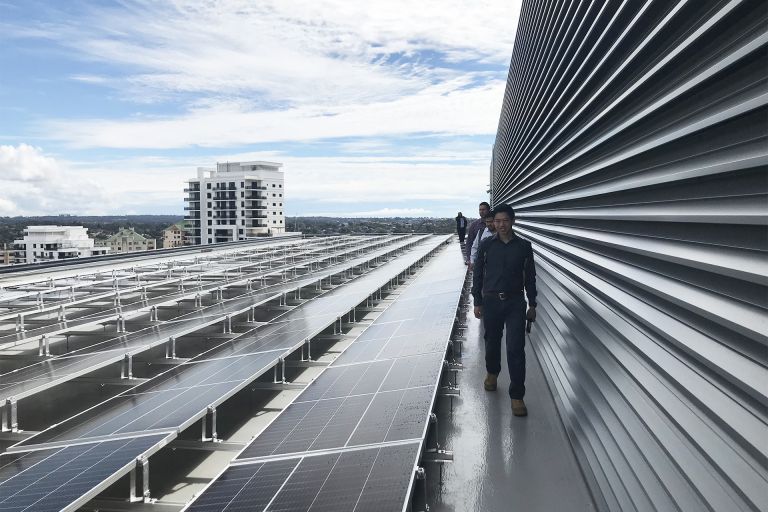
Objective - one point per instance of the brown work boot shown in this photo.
(490, 382)
(518, 408)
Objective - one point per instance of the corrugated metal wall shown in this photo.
(632, 143)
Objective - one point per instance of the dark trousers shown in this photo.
(462, 234)
(496, 315)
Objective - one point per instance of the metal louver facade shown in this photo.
(633, 145)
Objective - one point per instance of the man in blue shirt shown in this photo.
(503, 269)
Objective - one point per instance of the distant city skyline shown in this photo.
(375, 109)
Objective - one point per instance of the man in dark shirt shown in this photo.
(476, 226)
(503, 268)
(461, 226)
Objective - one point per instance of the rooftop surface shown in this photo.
(501, 462)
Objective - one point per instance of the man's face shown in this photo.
(503, 223)
(483, 210)
(489, 223)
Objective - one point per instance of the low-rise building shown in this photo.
(173, 235)
(49, 243)
(128, 240)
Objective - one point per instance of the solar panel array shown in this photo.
(351, 440)
(69, 463)
(38, 377)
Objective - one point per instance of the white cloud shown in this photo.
(33, 183)
(443, 108)
(247, 72)
(25, 163)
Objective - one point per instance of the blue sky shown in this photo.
(377, 108)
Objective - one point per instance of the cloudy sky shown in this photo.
(375, 108)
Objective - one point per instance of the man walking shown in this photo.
(503, 269)
(461, 227)
(484, 209)
(488, 231)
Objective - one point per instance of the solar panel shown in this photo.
(60, 478)
(183, 393)
(373, 479)
(36, 377)
(379, 391)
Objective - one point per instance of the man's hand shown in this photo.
(478, 311)
(530, 315)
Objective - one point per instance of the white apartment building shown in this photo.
(49, 243)
(235, 201)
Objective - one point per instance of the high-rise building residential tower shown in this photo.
(235, 201)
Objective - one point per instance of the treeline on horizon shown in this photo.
(101, 227)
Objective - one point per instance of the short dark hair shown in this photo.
(505, 208)
(486, 204)
(488, 215)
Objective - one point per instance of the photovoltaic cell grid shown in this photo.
(60, 478)
(381, 393)
(172, 399)
(380, 389)
(369, 480)
(37, 377)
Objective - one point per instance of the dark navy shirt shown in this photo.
(504, 267)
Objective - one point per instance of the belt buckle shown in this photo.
(502, 296)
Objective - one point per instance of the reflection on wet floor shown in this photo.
(504, 463)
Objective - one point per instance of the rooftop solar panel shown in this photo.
(62, 478)
(372, 479)
(179, 396)
(380, 395)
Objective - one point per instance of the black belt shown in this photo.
(502, 295)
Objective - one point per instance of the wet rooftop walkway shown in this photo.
(504, 463)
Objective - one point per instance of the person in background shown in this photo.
(504, 268)
(488, 231)
(476, 226)
(461, 227)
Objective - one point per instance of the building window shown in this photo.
(281, 213)
(281, 185)
(273, 195)
(209, 204)
(274, 204)
(240, 231)
(209, 231)
(274, 222)
(208, 185)
(242, 183)
(209, 240)
(242, 203)
(210, 222)
(281, 204)
(273, 185)
(281, 195)
(281, 222)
